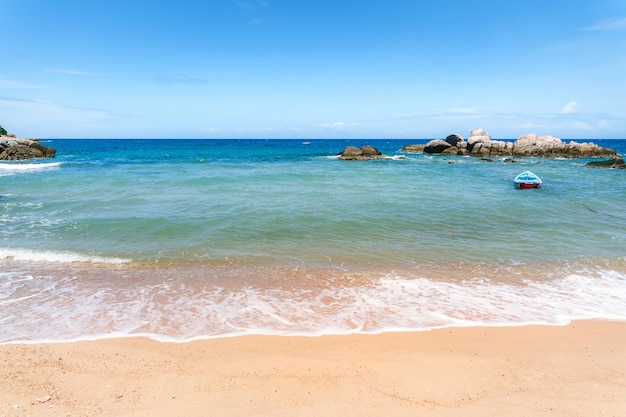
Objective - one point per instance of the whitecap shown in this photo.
(20, 167)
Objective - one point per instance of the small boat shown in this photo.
(527, 180)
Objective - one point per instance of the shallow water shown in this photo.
(190, 239)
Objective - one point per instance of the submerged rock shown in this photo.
(607, 163)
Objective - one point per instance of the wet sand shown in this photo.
(574, 370)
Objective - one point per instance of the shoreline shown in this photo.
(76, 301)
(532, 370)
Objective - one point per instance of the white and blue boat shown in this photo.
(527, 180)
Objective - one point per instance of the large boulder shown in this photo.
(492, 148)
(453, 145)
(413, 148)
(479, 135)
(454, 139)
(436, 146)
(531, 144)
(15, 149)
(352, 153)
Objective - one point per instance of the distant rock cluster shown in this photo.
(13, 148)
(480, 144)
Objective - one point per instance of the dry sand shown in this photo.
(575, 370)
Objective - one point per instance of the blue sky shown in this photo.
(312, 69)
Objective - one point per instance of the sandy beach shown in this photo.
(574, 370)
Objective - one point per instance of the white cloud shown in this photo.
(334, 125)
(32, 113)
(17, 84)
(608, 24)
(527, 126)
(603, 124)
(455, 113)
(250, 4)
(267, 129)
(462, 110)
(581, 125)
(569, 107)
(170, 79)
(70, 72)
(17, 101)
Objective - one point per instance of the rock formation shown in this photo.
(480, 144)
(13, 148)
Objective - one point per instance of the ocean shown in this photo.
(188, 239)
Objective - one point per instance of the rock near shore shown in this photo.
(480, 144)
(13, 148)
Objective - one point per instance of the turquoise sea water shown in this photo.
(182, 239)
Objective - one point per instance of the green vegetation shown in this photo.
(3, 131)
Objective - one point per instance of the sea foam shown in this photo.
(164, 304)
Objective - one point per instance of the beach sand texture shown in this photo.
(574, 370)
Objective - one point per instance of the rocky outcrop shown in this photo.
(352, 153)
(607, 163)
(549, 146)
(15, 149)
(480, 144)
